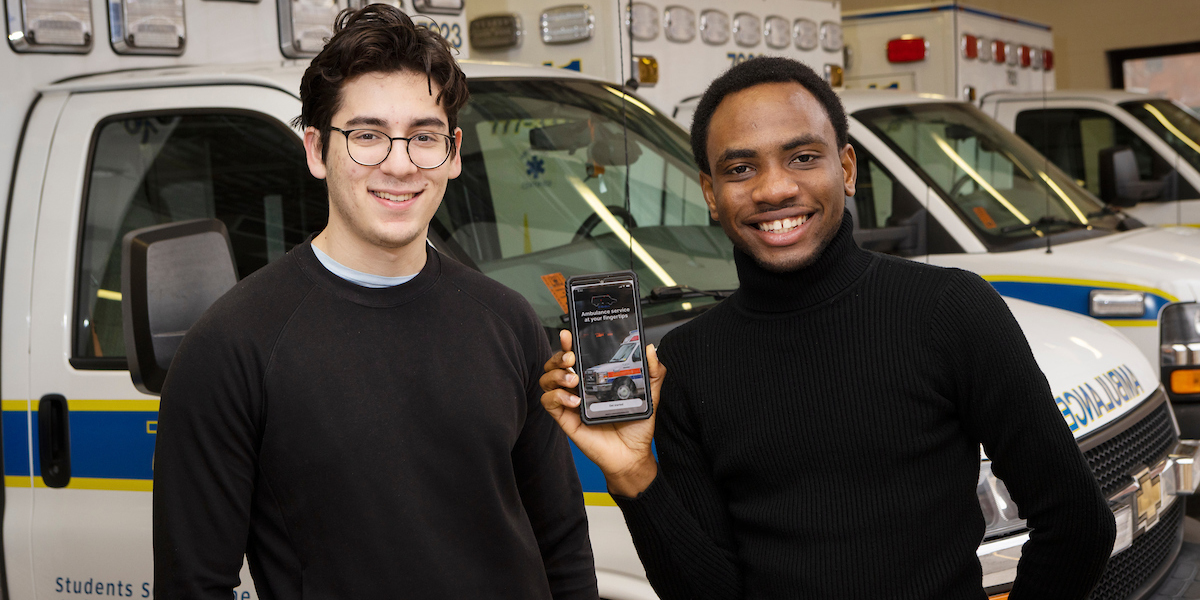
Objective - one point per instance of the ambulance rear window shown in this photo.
(246, 169)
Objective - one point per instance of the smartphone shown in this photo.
(606, 325)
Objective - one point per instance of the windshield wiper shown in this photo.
(1044, 222)
(670, 293)
(1105, 211)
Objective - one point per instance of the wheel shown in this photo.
(625, 389)
(590, 223)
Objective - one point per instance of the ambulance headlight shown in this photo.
(1179, 344)
(495, 32)
(831, 36)
(714, 27)
(746, 30)
(999, 511)
(50, 26)
(568, 24)
(679, 22)
(439, 7)
(806, 33)
(643, 22)
(777, 32)
(1183, 476)
(304, 25)
(1116, 303)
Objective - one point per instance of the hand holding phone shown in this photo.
(621, 449)
(606, 321)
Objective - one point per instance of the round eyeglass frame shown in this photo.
(391, 144)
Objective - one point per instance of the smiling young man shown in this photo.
(307, 423)
(819, 431)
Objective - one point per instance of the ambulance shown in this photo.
(620, 378)
(109, 139)
(668, 51)
(1137, 152)
(1133, 150)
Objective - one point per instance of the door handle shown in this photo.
(54, 440)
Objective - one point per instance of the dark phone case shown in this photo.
(579, 370)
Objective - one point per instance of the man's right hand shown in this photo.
(621, 450)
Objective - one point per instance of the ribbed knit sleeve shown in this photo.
(1005, 401)
(679, 524)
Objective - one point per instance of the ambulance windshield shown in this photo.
(1177, 126)
(1003, 188)
(622, 353)
(543, 186)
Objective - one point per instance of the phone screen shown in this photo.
(609, 350)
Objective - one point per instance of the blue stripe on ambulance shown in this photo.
(104, 444)
(1070, 297)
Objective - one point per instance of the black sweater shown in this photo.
(819, 432)
(366, 443)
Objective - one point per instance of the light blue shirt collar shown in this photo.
(358, 277)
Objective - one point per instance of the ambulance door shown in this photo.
(120, 161)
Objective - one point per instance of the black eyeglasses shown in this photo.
(369, 147)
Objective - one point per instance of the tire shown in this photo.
(625, 389)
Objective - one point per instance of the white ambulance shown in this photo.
(105, 143)
(669, 50)
(620, 379)
(1006, 66)
(946, 48)
(1086, 133)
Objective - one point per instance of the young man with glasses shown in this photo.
(306, 422)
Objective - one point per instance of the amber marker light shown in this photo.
(1003, 596)
(1185, 381)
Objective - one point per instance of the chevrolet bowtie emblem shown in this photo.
(1149, 499)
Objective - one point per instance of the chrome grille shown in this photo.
(1143, 444)
(1129, 570)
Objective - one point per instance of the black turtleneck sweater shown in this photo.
(366, 443)
(819, 433)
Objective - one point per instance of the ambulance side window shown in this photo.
(1073, 138)
(887, 216)
(246, 169)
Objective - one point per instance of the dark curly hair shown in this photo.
(377, 38)
(758, 70)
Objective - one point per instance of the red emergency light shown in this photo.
(970, 46)
(998, 53)
(1047, 59)
(906, 49)
(1026, 55)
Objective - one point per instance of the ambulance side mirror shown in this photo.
(170, 274)
(1120, 184)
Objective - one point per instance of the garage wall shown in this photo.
(1085, 29)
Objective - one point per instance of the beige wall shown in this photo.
(1085, 29)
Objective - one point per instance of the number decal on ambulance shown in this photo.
(737, 58)
(452, 32)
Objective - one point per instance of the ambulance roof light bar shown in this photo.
(679, 24)
(304, 25)
(999, 51)
(642, 20)
(147, 26)
(568, 24)
(1047, 59)
(439, 7)
(1025, 56)
(832, 39)
(778, 32)
(56, 26)
(495, 32)
(747, 30)
(714, 27)
(906, 49)
(806, 33)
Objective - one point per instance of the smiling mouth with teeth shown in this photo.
(782, 225)
(393, 197)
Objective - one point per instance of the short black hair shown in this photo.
(756, 71)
